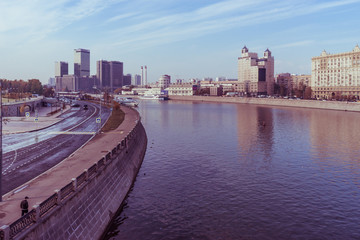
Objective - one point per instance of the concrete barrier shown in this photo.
(330, 105)
(83, 208)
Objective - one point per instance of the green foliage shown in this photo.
(48, 91)
(21, 86)
(307, 93)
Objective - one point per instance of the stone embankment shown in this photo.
(330, 105)
(77, 198)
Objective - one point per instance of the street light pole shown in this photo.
(94, 87)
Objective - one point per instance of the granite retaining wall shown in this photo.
(330, 105)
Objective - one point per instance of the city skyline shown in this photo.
(181, 39)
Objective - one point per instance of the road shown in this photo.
(26, 155)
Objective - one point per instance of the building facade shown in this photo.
(51, 82)
(164, 81)
(73, 83)
(336, 76)
(255, 75)
(136, 80)
(127, 79)
(299, 81)
(61, 69)
(109, 74)
(183, 89)
(67, 83)
(216, 91)
(81, 62)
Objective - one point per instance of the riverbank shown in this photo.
(99, 175)
(329, 105)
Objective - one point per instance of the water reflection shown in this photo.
(228, 171)
(335, 139)
(255, 132)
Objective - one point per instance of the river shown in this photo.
(238, 171)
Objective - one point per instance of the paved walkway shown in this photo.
(43, 186)
(26, 124)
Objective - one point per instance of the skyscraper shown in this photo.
(136, 80)
(81, 62)
(127, 79)
(109, 74)
(61, 69)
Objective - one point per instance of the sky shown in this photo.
(184, 39)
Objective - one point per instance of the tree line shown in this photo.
(29, 87)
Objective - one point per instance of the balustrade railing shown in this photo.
(48, 204)
(65, 191)
(101, 163)
(81, 179)
(92, 170)
(22, 223)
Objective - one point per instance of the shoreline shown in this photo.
(312, 104)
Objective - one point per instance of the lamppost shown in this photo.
(94, 87)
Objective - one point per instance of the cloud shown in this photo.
(214, 18)
(120, 17)
(294, 44)
(27, 19)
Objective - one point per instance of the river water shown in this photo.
(237, 171)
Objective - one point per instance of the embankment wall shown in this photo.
(330, 105)
(83, 208)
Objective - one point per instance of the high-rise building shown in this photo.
(81, 62)
(51, 82)
(255, 75)
(136, 80)
(164, 81)
(127, 79)
(61, 69)
(336, 75)
(109, 74)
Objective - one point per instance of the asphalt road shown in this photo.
(26, 155)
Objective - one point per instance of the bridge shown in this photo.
(19, 108)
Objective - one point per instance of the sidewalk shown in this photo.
(43, 186)
(28, 124)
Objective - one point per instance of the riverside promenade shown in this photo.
(43, 186)
(328, 105)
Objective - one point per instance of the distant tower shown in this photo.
(81, 62)
(61, 69)
(244, 50)
(145, 75)
(142, 75)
